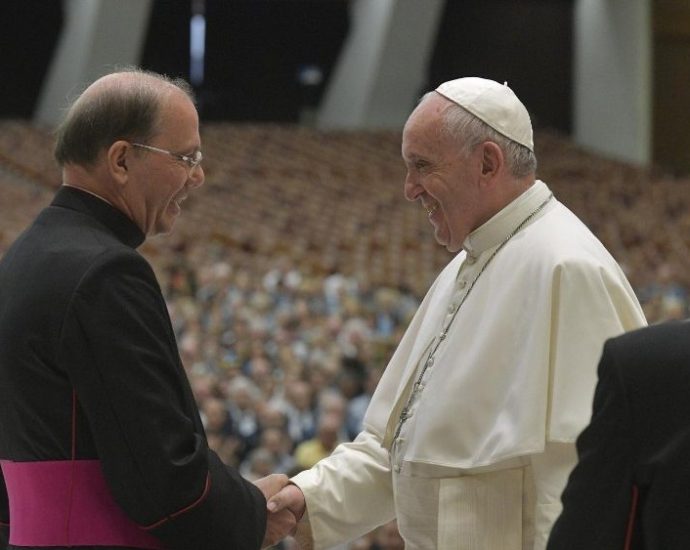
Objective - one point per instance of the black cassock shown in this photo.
(631, 487)
(100, 436)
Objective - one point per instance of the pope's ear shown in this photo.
(117, 157)
(492, 159)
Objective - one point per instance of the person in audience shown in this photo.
(101, 443)
(629, 488)
(216, 417)
(243, 414)
(469, 437)
(300, 411)
(277, 443)
(322, 444)
(357, 407)
(260, 463)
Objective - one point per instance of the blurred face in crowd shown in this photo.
(161, 183)
(216, 414)
(439, 175)
(273, 440)
(300, 394)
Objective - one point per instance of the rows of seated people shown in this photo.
(292, 274)
(333, 200)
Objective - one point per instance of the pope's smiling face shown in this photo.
(440, 175)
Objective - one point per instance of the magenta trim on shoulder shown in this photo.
(67, 503)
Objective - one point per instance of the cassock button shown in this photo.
(462, 283)
(470, 259)
(452, 307)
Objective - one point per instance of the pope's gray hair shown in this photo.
(469, 131)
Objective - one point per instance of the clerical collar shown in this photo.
(113, 219)
(498, 227)
(65, 184)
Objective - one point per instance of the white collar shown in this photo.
(494, 231)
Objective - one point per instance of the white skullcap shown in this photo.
(494, 103)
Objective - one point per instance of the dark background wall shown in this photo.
(671, 108)
(29, 31)
(256, 50)
(527, 43)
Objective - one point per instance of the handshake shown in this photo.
(285, 504)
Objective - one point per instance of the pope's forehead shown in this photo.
(425, 122)
(428, 113)
(432, 104)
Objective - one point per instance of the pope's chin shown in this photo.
(444, 239)
(446, 243)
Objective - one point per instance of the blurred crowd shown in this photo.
(283, 362)
(291, 280)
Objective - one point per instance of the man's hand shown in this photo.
(279, 523)
(270, 485)
(290, 497)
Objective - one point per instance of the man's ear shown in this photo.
(492, 159)
(116, 159)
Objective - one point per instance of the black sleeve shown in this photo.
(4, 514)
(120, 352)
(598, 497)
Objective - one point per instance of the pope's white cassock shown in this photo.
(469, 438)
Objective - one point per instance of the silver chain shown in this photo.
(404, 415)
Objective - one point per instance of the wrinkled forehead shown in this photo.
(431, 105)
(426, 122)
(429, 113)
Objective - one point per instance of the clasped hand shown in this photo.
(285, 505)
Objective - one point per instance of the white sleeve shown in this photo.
(592, 303)
(550, 470)
(349, 493)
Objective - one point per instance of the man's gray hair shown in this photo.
(469, 131)
(127, 110)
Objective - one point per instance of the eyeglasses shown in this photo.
(192, 161)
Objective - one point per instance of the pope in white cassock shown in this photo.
(469, 438)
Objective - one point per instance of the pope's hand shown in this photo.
(290, 497)
(279, 523)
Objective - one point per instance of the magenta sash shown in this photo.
(67, 503)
